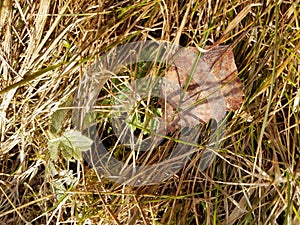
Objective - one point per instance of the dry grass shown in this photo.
(45, 48)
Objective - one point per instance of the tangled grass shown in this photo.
(47, 45)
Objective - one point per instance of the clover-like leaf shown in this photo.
(74, 139)
(70, 145)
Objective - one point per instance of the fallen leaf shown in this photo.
(197, 92)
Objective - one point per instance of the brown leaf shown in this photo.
(211, 90)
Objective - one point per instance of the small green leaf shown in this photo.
(59, 116)
(70, 145)
(66, 44)
(69, 152)
(53, 145)
(75, 139)
(73, 143)
(66, 151)
(52, 135)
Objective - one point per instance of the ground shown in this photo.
(46, 49)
